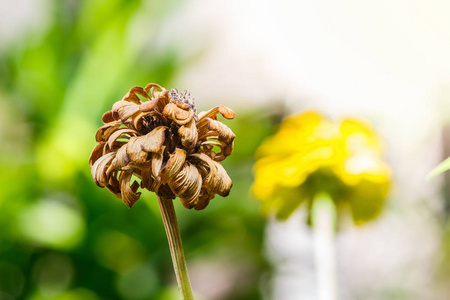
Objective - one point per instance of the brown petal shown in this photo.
(146, 177)
(121, 161)
(204, 199)
(217, 179)
(108, 117)
(157, 160)
(106, 130)
(121, 133)
(187, 185)
(96, 154)
(189, 135)
(131, 95)
(153, 141)
(129, 195)
(125, 109)
(135, 152)
(161, 95)
(98, 170)
(139, 147)
(223, 110)
(224, 132)
(177, 114)
(173, 165)
(114, 185)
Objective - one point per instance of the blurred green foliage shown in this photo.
(64, 238)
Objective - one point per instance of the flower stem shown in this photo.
(324, 216)
(176, 248)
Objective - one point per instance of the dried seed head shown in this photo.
(166, 144)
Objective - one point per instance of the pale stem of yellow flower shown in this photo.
(176, 248)
(324, 224)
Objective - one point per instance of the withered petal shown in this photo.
(106, 130)
(120, 133)
(224, 132)
(187, 185)
(108, 117)
(217, 179)
(98, 169)
(223, 110)
(125, 109)
(135, 152)
(131, 95)
(173, 165)
(96, 154)
(154, 140)
(157, 160)
(177, 114)
(189, 134)
(128, 193)
(146, 178)
(121, 161)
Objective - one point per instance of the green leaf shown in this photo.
(441, 168)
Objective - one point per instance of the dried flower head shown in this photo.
(162, 141)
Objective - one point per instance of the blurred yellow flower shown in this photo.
(311, 154)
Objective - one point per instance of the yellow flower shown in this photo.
(166, 144)
(310, 154)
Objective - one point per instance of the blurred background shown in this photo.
(64, 63)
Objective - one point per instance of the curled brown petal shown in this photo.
(106, 130)
(187, 185)
(114, 186)
(223, 132)
(128, 193)
(217, 179)
(173, 165)
(121, 161)
(146, 178)
(154, 140)
(131, 95)
(223, 110)
(135, 152)
(203, 199)
(189, 134)
(157, 160)
(96, 154)
(121, 133)
(108, 117)
(177, 114)
(98, 170)
(125, 109)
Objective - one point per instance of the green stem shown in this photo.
(176, 248)
(324, 219)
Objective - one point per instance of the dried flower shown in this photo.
(311, 154)
(166, 144)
